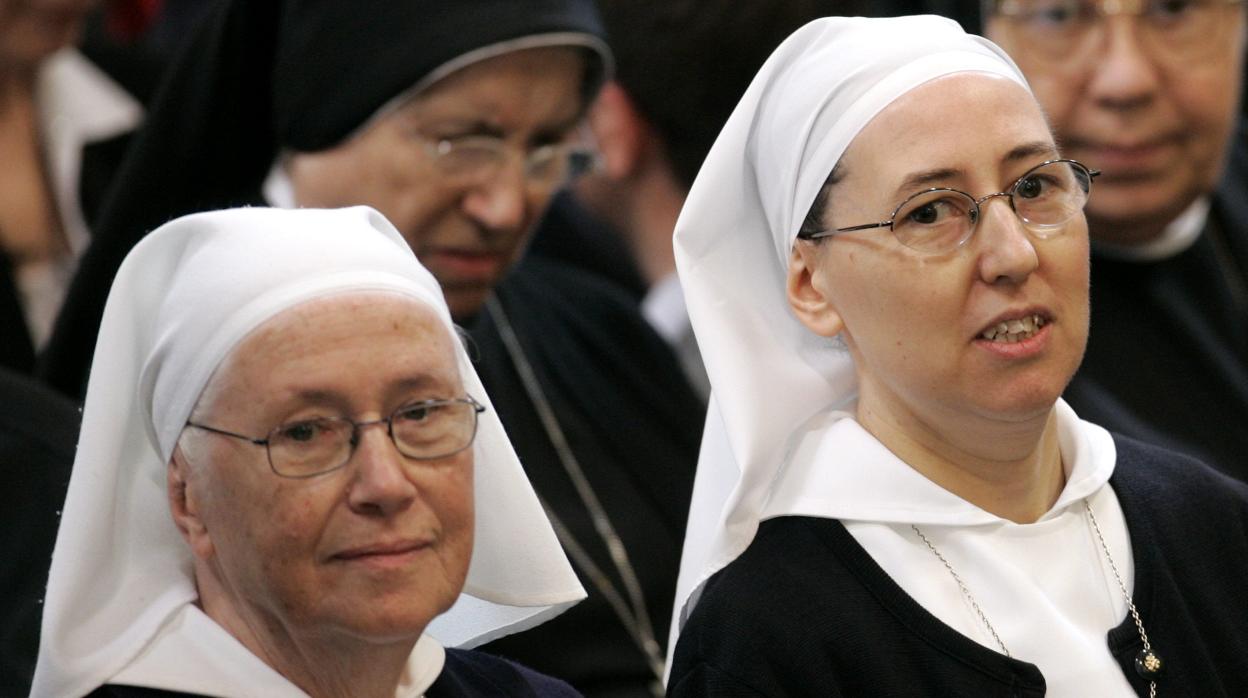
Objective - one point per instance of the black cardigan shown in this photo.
(805, 611)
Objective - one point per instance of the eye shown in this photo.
(1058, 15)
(1170, 9)
(935, 211)
(305, 431)
(418, 412)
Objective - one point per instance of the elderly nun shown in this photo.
(458, 120)
(289, 480)
(886, 263)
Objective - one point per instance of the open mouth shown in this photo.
(1010, 331)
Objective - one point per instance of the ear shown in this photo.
(184, 505)
(620, 130)
(807, 294)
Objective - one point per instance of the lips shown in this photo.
(381, 550)
(464, 264)
(1126, 158)
(1015, 326)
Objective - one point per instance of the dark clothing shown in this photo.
(467, 674)
(298, 75)
(633, 425)
(570, 233)
(38, 430)
(1169, 339)
(806, 611)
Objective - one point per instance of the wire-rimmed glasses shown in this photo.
(940, 220)
(1071, 31)
(421, 431)
(477, 158)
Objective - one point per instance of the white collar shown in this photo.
(193, 654)
(664, 308)
(77, 104)
(839, 470)
(1180, 234)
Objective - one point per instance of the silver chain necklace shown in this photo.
(1148, 663)
(633, 613)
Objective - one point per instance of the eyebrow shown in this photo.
(924, 179)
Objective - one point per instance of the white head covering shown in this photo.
(768, 372)
(185, 296)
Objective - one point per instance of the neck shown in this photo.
(321, 666)
(1012, 470)
(643, 207)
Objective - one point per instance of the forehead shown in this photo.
(356, 347)
(512, 89)
(963, 120)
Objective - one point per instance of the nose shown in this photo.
(1125, 77)
(501, 201)
(1007, 250)
(380, 485)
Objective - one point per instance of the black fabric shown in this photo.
(1169, 339)
(260, 77)
(570, 233)
(38, 430)
(805, 611)
(466, 674)
(634, 426)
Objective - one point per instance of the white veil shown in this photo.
(185, 296)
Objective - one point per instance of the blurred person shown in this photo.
(38, 431)
(63, 127)
(680, 70)
(886, 262)
(459, 129)
(291, 482)
(1149, 93)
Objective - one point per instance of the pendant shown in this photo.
(1148, 664)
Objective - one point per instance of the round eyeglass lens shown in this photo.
(935, 221)
(1050, 195)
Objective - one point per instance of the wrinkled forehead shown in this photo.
(386, 334)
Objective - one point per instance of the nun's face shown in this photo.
(468, 231)
(371, 551)
(915, 323)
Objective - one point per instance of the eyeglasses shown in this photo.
(470, 160)
(936, 221)
(425, 430)
(1071, 31)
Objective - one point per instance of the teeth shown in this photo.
(1014, 330)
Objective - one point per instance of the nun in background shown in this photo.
(458, 121)
(886, 263)
(275, 487)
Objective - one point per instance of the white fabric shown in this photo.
(76, 104)
(1182, 233)
(1046, 587)
(664, 308)
(769, 373)
(184, 297)
(191, 651)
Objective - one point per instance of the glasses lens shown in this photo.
(310, 447)
(935, 221)
(434, 429)
(1184, 29)
(470, 158)
(1051, 194)
(554, 166)
(1057, 30)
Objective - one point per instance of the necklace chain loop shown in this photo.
(1148, 664)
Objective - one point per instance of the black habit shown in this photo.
(806, 611)
(301, 75)
(38, 431)
(1167, 357)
